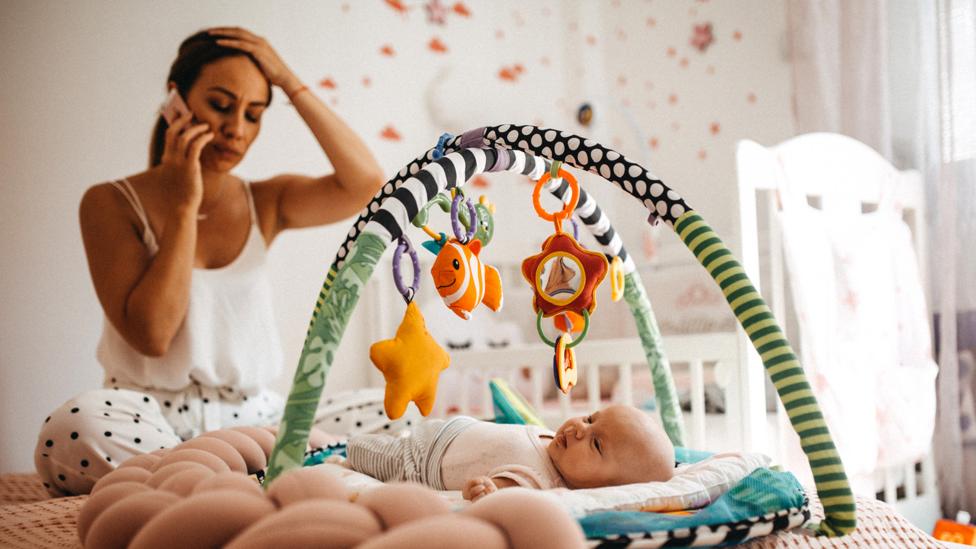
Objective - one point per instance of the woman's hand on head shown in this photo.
(270, 63)
(181, 160)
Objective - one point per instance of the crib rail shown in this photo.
(691, 353)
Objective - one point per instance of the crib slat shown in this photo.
(537, 378)
(911, 488)
(890, 490)
(564, 404)
(928, 475)
(487, 406)
(593, 387)
(626, 384)
(777, 289)
(697, 403)
(464, 400)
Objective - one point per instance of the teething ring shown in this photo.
(564, 364)
(459, 232)
(568, 208)
(551, 343)
(617, 281)
(408, 292)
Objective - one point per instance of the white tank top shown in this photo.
(228, 338)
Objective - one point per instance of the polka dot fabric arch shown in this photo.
(528, 150)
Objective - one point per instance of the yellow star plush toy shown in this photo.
(411, 363)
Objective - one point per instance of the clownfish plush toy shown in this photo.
(463, 281)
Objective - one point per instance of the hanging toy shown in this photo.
(484, 229)
(564, 364)
(420, 220)
(617, 279)
(412, 361)
(564, 278)
(568, 322)
(462, 280)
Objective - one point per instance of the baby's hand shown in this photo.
(478, 488)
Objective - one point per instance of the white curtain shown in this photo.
(900, 76)
(840, 76)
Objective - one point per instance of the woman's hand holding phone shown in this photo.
(181, 158)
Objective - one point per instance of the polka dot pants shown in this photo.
(89, 435)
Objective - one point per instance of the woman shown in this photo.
(177, 255)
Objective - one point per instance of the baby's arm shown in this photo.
(479, 487)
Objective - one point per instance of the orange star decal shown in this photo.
(436, 45)
(390, 133)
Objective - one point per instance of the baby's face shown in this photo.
(617, 445)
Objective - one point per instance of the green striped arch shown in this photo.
(783, 368)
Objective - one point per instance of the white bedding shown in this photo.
(693, 486)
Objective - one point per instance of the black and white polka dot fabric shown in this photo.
(92, 433)
(88, 436)
(588, 155)
(361, 411)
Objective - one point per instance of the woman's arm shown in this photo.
(303, 201)
(306, 201)
(145, 297)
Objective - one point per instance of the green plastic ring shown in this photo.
(554, 168)
(551, 343)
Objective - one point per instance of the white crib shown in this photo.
(838, 172)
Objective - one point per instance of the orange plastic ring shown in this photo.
(568, 209)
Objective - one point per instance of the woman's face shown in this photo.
(230, 96)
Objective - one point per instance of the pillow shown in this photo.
(693, 486)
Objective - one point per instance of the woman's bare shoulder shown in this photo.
(106, 199)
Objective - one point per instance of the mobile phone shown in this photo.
(173, 106)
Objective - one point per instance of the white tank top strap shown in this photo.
(148, 237)
(250, 202)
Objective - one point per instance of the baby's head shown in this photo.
(617, 445)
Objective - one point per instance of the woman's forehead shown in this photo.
(236, 74)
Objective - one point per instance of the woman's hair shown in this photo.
(195, 52)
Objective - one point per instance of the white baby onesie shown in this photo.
(514, 452)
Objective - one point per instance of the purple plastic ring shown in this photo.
(456, 219)
(408, 292)
(575, 229)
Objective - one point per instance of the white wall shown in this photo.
(81, 82)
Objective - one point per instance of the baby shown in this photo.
(617, 445)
